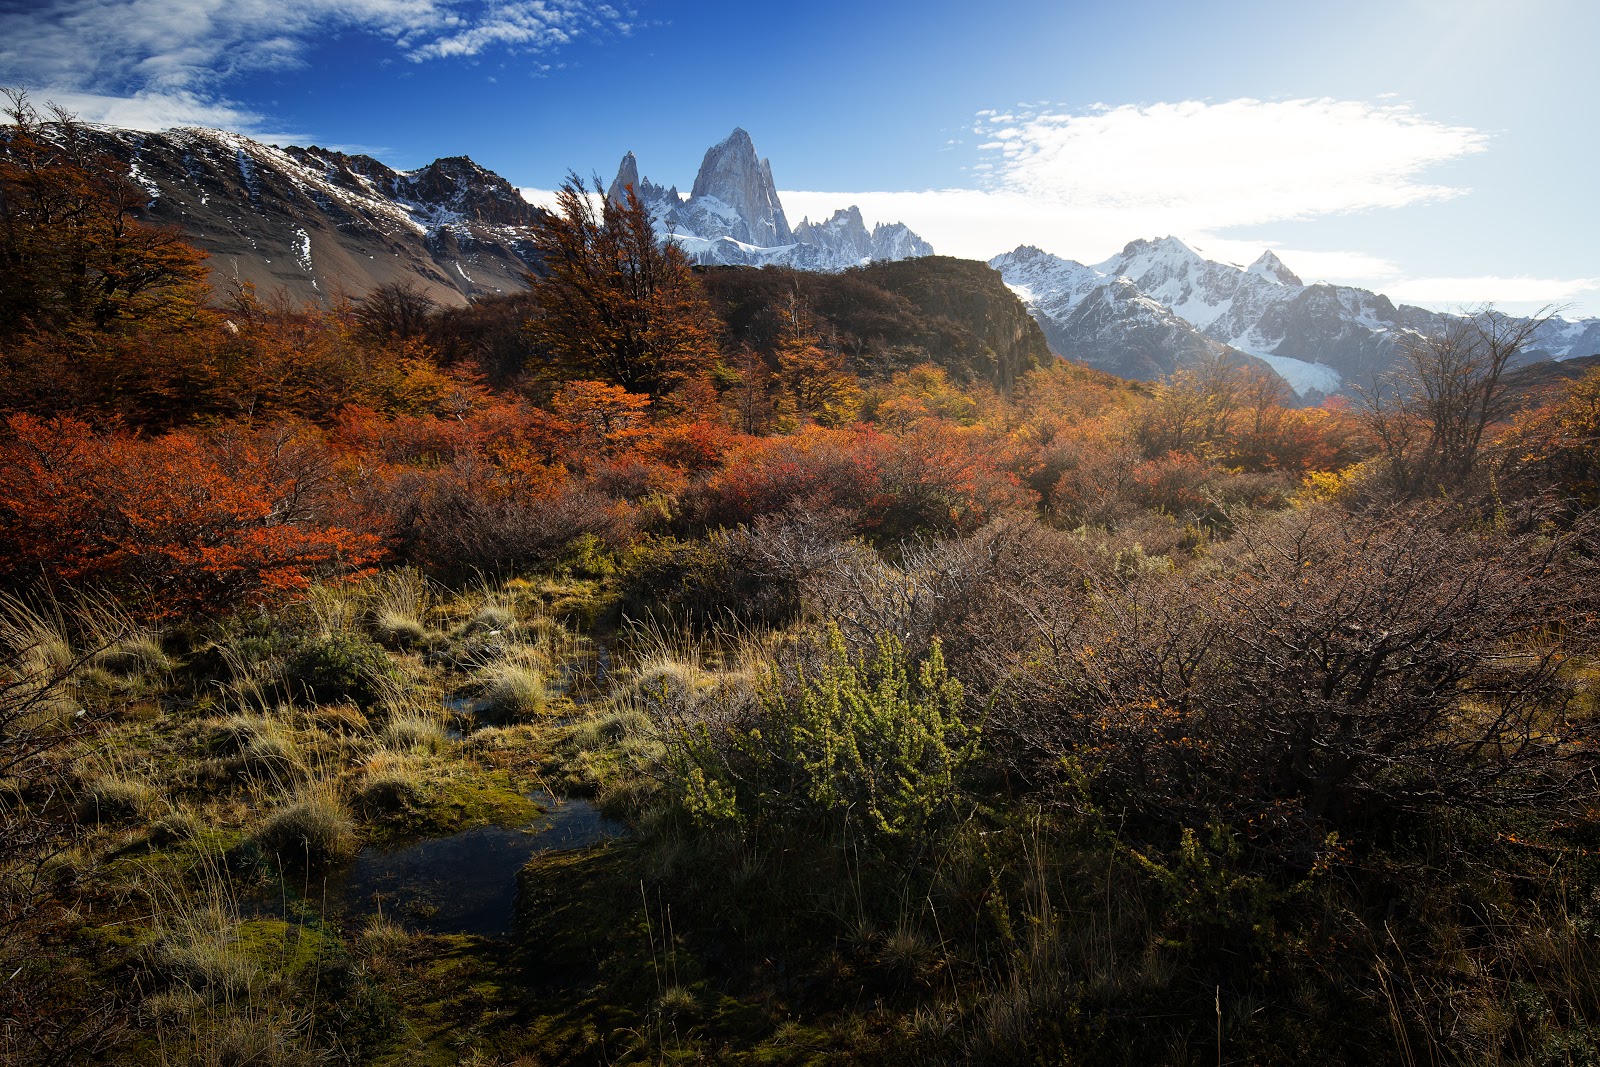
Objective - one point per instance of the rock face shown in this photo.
(1159, 305)
(731, 177)
(315, 224)
(844, 238)
(733, 217)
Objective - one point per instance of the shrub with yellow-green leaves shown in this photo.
(869, 745)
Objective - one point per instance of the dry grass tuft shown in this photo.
(391, 782)
(413, 732)
(311, 832)
(511, 691)
(115, 798)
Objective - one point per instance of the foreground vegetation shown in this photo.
(951, 711)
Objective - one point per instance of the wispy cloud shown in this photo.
(157, 110)
(154, 63)
(1489, 289)
(1195, 167)
(1082, 184)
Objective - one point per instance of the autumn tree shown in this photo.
(396, 311)
(813, 384)
(72, 252)
(1557, 446)
(613, 301)
(1428, 417)
(1193, 408)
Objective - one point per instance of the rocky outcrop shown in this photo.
(844, 238)
(732, 178)
(890, 316)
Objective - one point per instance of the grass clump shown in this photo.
(139, 655)
(310, 832)
(384, 939)
(492, 617)
(401, 601)
(176, 826)
(511, 691)
(198, 948)
(413, 732)
(255, 745)
(391, 782)
(115, 798)
(339, 666)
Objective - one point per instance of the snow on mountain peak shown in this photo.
(732, 174)
(1270, 267)
(733, 216)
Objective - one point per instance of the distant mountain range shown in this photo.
(1160, 305)
(314, 223)
(733, 217)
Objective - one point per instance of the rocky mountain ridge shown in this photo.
(313, 223)
(1159, 305)
(733, 217)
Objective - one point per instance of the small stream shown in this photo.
(465, 883)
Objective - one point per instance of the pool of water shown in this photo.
(465, 883)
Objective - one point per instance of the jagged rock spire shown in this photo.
(732, 174)
(627, 174)
(1268, 265)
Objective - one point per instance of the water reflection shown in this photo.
(466, 883)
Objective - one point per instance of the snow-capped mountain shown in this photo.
(732, 215)
(1159, 305)
(314, 223)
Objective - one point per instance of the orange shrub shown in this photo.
(936, 478)
(180, 522)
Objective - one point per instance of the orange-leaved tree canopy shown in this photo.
(613, 302)
(176, 523)
(72, 252)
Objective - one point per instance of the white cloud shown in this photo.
(1342, 266)
(545, 198)
(168, 62)
(1489, 289)
(1193, 167)
(976, 223)
(1083, 185)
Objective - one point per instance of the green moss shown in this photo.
(290, 949)
(465, 800)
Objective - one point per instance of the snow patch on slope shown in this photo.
(1301, 376)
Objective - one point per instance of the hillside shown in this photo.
(314, 223)
(890, 316)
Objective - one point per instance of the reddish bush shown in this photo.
(181, 522)
(1176, 483)
(936, 478)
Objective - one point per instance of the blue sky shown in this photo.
(1442, 151)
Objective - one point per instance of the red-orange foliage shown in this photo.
(937, 478)
(177, 523)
